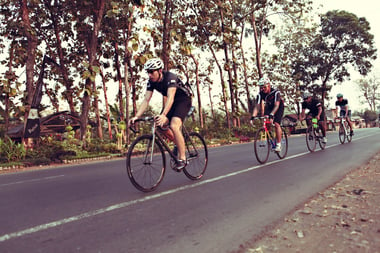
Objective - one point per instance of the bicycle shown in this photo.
(146, 160)
(265, 141)
(344, 130)
(314, 135)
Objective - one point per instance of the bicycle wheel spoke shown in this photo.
(145, 166)
(311, 141)
(342, 133)
(284, 145)
(261, 146)
(196, 155)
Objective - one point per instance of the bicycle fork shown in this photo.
(148, 159)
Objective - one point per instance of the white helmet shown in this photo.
(263, 81)
(154, 64)
(306, 95)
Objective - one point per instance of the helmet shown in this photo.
(154, 64)
(306, 95)
(339, 95)
(263, 81)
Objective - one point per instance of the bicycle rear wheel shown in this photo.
(284, 145)
(145, 164)
(348, 135)
(196, 155)
(262, 146)
(311, 140)
(342, 133)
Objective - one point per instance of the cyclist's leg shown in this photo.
(277, 122)
(176, 125)
(177, 115)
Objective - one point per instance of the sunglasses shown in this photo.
(150, 71)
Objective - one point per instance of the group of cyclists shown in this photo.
(177, 103)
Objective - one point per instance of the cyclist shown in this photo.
(342, 105)
(177, 103)
(316, 110)
(270, 102)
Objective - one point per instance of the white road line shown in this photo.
(93, 213)
(31, 180)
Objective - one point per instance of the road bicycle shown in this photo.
(146, 160)
(265, 141)
(344, 130)
(314, 135)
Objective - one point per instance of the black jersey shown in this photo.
(342, 104)
(312, 106)
(270, 98)
(169, 80)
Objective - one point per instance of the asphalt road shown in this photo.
(94, 208)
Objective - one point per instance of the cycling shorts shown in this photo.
(180, 108)
(278, 115)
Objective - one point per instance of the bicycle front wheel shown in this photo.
(348, 135)
(145, 163)
(311, 140)
(262, 146)
(284, 145)
(196, 155)
(342, 133)
(320, 139)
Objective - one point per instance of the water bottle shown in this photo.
(315, 122)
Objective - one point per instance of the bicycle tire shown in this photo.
(262, 146)
(144, 174)
(348, 135)
(342, 133)
(196, 155)
(284, 145)
(322, 144)
(311, 141)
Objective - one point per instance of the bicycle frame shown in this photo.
(313, 135)
(345, 134)
(266, 123)
(147, 169)
(265, 141)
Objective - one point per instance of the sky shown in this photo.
(369, 10)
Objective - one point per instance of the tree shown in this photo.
(370, 90)
(344, 40)
(369, 116)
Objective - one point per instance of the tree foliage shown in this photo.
(343, 41)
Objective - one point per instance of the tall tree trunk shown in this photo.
(246, 85)
(227, 60)
(258, 46)
(166, 33)
(30, 56)
(92, 44)
(62, 65)
(199, 97)
(107, 105)
(120, 79)
(97, 115)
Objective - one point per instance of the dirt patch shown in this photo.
(342, 218)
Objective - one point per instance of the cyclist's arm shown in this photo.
(346, 111)
(319, 112)
(275, 108)
(169, 100)
(256, 109)
(144, 104)
(302, 116)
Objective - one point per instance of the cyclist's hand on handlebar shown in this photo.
(132, 121)
(160, 119)
(252, 120)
